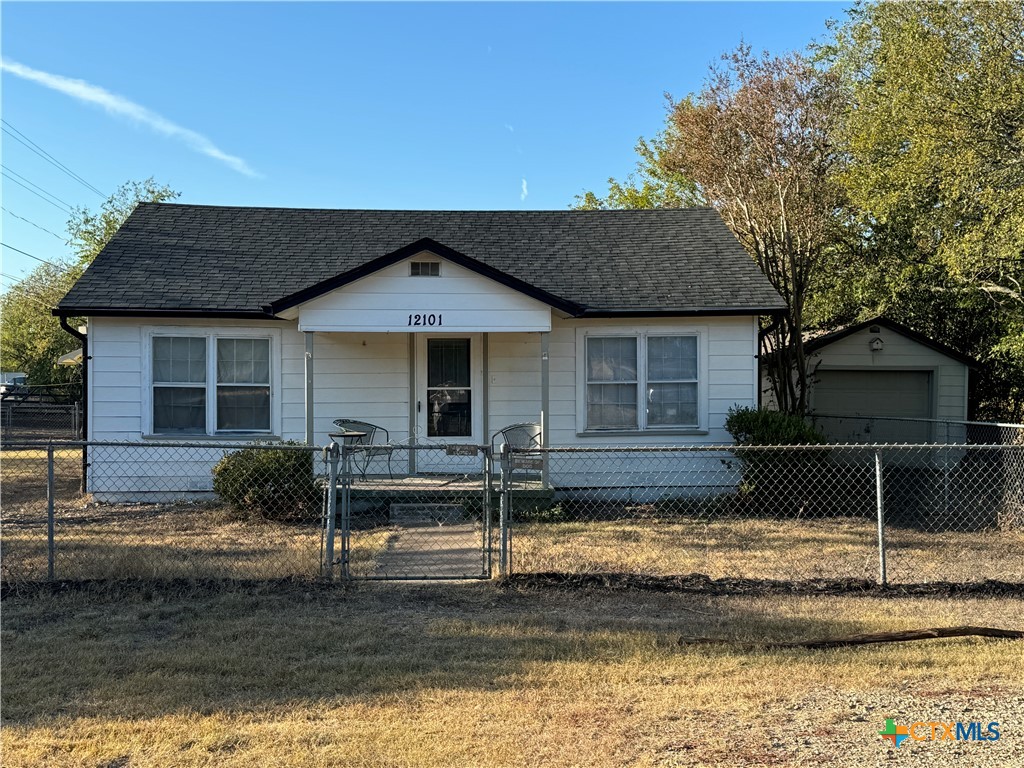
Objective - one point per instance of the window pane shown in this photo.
(179, 409)
(611, 406)
(448, 362)
(611, 359)
(243, 361)
(671, 358)
(451, 413)
(243, 408)
(671, 404)
(179, 359)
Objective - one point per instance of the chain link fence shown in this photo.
(874, 430)
(32, 421)
(415, 511)
(890, 513)
(83, 511)
(175, 510)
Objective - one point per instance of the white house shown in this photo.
(232, 324)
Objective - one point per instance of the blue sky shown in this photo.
(350, 105)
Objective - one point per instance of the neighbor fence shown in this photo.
(874, 430)
(178, 510)
(28, 420)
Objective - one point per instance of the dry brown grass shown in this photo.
(469, 675)
(764, 548)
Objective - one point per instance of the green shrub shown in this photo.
(261, 482)
(753, 426)
(778, 483)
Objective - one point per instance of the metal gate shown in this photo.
(409, 511)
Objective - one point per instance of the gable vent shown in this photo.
(425, 268)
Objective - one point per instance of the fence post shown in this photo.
(50, 522)
(331, 456)
(488, 487)
(347, 449)
(881, 519)
(506, 509)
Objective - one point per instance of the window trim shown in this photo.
(211, 335)
(642, 335)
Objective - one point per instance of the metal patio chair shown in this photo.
(520, 437)
(370, 440)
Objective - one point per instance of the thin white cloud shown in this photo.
(509, 128)
(122, 107)
(525, 192)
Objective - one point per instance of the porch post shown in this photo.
(484, 396)
(309, 386)
(413, 404)
(545, 401)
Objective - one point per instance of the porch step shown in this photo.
(436, 514)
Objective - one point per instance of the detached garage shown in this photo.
(883, 370)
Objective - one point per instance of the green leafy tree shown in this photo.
(31, 338)
(933, 129)
(652, 185)
(90, 231)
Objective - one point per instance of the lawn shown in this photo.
(765, 548)
(472, 674)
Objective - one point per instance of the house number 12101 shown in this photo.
(425, 320)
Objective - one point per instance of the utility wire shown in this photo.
(29, 221)
(26, 294)
(55, 205)
(26, 253)
(46, 156)
(33, 184)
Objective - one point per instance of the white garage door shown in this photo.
(894, 394)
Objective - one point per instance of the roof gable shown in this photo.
(424, 244)
(394, 300)
(821, 342)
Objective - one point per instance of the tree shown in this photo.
(89, 232)
(652, 185)
(757, 142)
(31, 338)
(933, 129)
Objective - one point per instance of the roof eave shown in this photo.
(237, 314)
(596, 312)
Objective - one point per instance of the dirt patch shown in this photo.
(698, 583)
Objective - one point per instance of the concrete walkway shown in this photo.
(419, 550)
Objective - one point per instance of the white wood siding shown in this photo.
(366, 376)
(458, 300)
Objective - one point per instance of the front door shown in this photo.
(449, 389)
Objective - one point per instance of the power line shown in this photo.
(26, 253)
(33, 184)
(28, 221)
(25, 293)
(47, 156)
(55, 205)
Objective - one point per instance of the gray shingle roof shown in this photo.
(224, 260)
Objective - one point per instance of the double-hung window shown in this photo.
(209, 384)
(642, 381)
